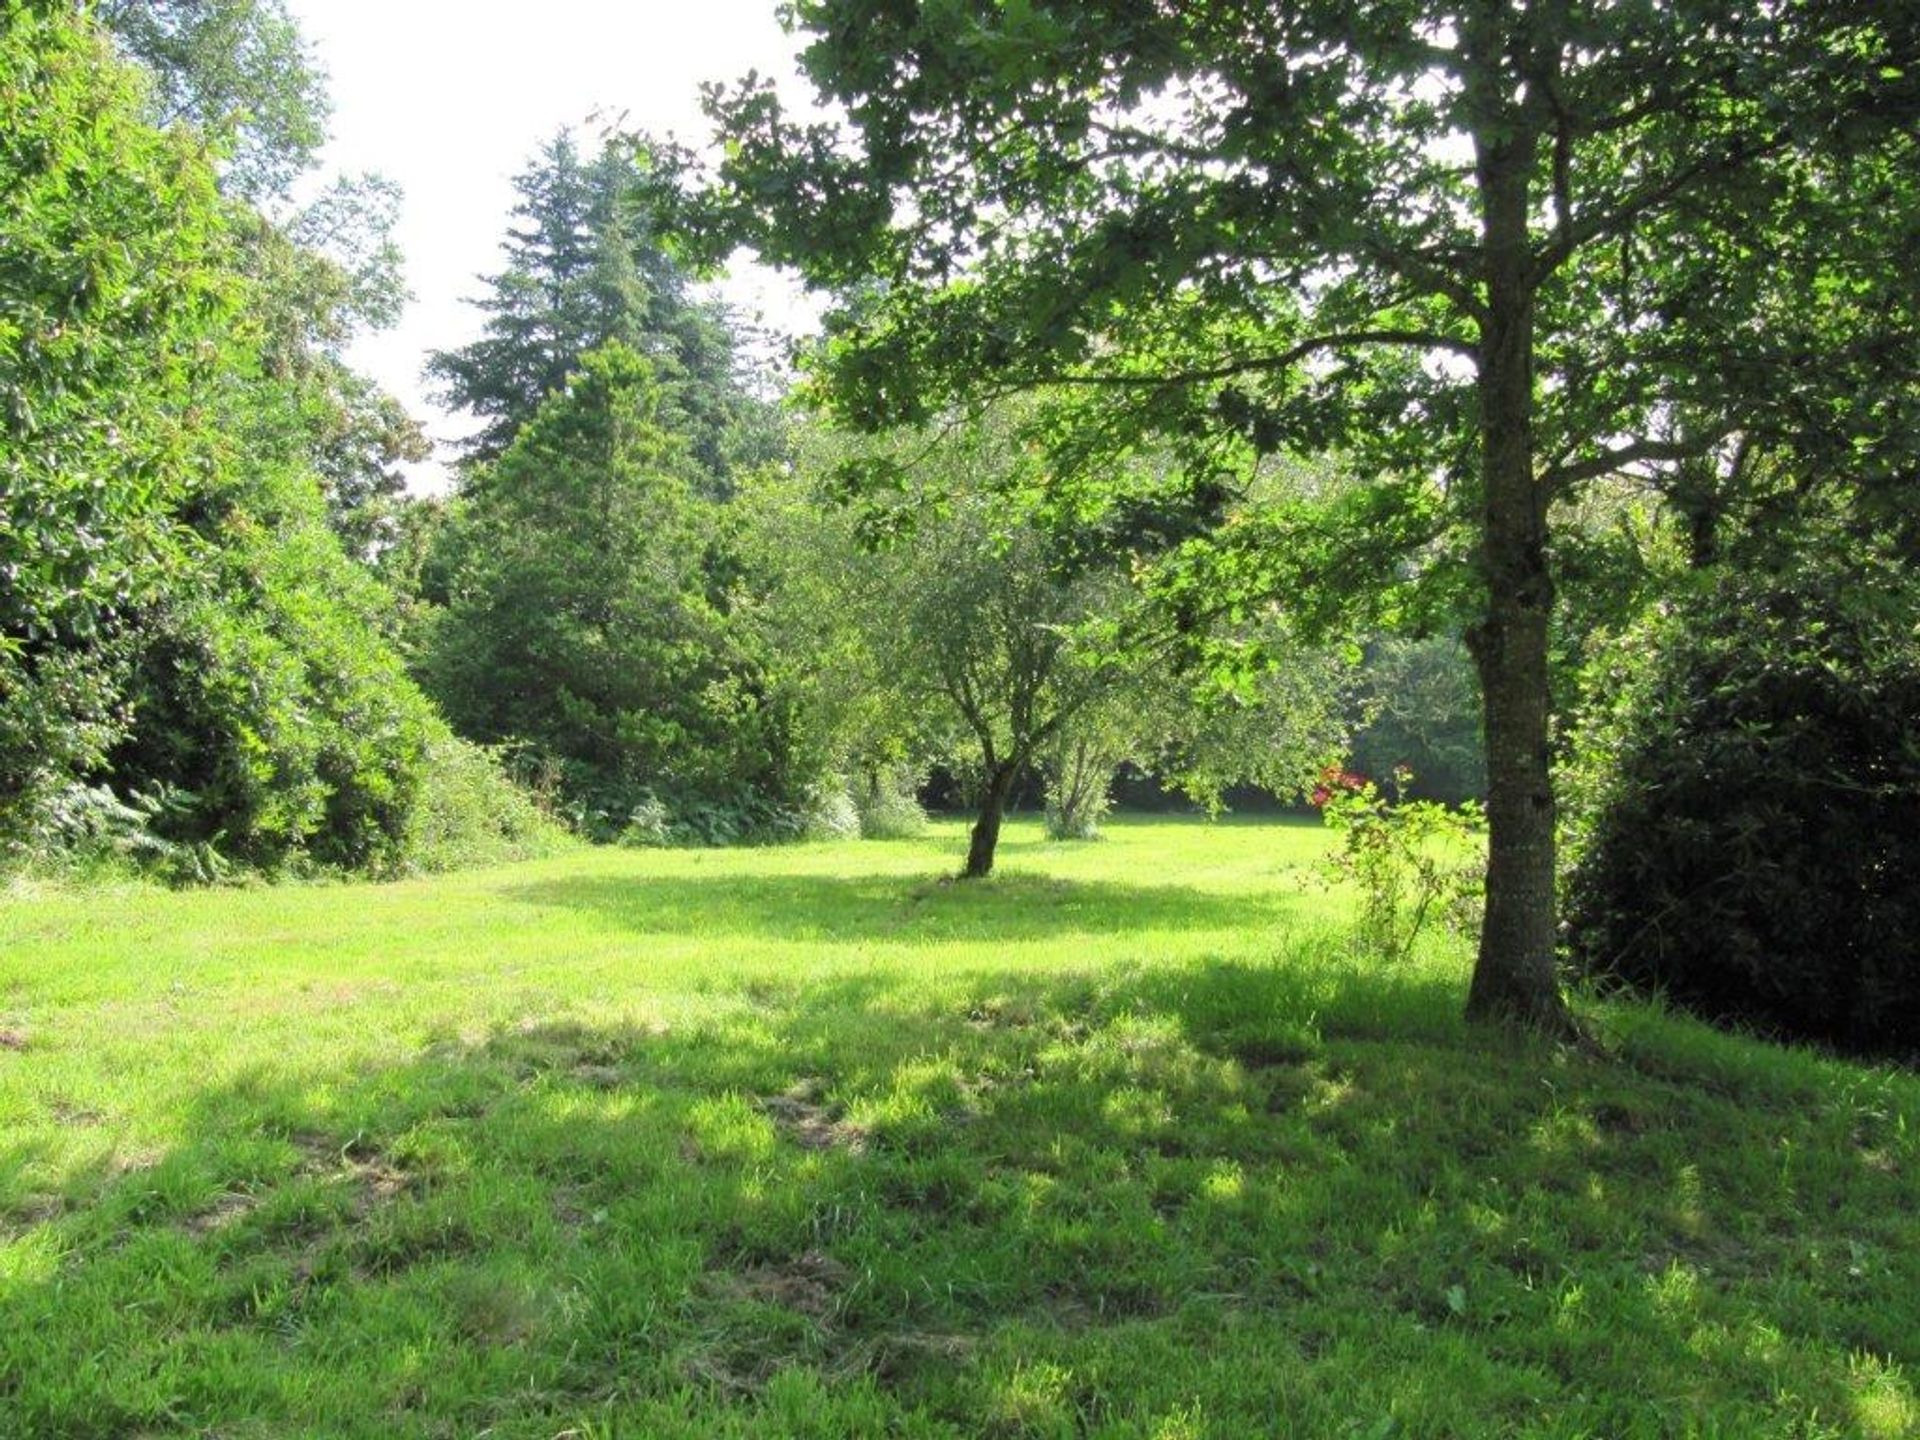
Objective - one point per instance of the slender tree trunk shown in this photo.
(986, 829)
(1515, 978)
(1695, 495)
(1079, 786)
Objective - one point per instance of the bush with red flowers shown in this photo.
(1413, 861)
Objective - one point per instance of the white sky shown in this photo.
(450, 98)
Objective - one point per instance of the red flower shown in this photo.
(1320, 796)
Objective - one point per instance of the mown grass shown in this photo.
(805, 1142)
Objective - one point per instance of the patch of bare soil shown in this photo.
(743, 1348)
(808, 1284)
(806, 1116)
(599, 1077)
(375, 1178)
(1002, 1012)
(225, 1211)
(810, 1287)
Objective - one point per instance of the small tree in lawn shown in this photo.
(1283, 715)
(937, 620)
(998, 623)
(934, 615)
(985, 616)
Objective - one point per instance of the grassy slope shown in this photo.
(800, 1142)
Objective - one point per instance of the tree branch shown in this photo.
(1292, 355)
(1566, 474)
(1618, 217)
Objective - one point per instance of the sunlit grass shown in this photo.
(810, 1141)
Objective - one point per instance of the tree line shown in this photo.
(651, 584)
(234, 640)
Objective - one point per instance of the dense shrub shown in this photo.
(468, 813)
(1744, 807)
(829, 813)
(113, 316)
(589, 622)
(60, 711)
(887, 800)
(193, 673)
(262, 692)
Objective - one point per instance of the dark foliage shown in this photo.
(1424, 714)
(1747, 808)
(589, 623)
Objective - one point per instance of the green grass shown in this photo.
(807, 1142)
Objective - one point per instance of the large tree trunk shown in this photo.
(1516, 977)
(986, 829)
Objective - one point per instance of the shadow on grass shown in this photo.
(901, 909)
(1264, 1199)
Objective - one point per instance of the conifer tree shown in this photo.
(586, 617)
(585, 269)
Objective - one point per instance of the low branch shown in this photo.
(1609, 462)
(1430, 276)
(1285, 359)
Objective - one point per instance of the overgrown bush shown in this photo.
(60, 712)
(829, 814)
(254, 716)
(194, 676)
(87, 832)
(469, 813)
(648, 826)
(1415, 862)
(887, 801)
(646, 820)
(264, 693)
(1744, 806)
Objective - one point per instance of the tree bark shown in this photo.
(1696, 496)
(1515, 978)
(986, 829)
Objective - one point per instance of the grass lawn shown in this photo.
(807, 1142)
